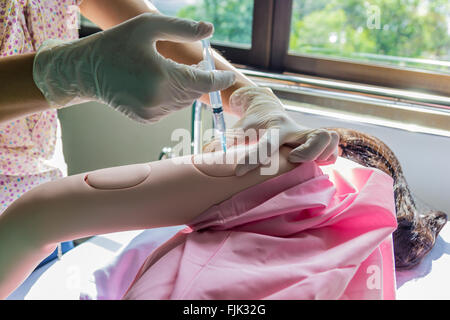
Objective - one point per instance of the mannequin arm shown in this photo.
(155, 194)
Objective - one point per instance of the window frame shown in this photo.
(269, 51)
(258, 55)
(342, 69)
(386, 76)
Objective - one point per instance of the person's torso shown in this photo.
(26, 143)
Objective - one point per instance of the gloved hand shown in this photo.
(121, 67)
(259, 109)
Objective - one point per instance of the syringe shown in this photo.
(214, 97)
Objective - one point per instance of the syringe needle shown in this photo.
(214, 97)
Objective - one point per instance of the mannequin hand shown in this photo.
(261, 109)
(121, 67)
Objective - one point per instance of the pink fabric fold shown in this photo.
(297, 236)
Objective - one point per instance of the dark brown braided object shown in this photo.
(417, 228)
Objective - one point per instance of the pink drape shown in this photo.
(298, 236)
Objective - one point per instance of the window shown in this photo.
(234, 22)
(403, 33)
(232, 19)
(403, 44)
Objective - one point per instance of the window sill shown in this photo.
(403, 109)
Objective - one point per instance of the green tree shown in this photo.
(408, 28)
(232, 19)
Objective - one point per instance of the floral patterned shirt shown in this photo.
(26, 143)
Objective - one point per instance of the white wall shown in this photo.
(96, 136)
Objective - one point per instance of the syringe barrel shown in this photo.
(219, 122)
(214, 97)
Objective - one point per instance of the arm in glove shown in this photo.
(260, 109)
(121, 67)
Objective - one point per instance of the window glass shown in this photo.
(405, 33)
(232, 19)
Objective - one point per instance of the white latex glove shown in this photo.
(121, 67)
(261, 109)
